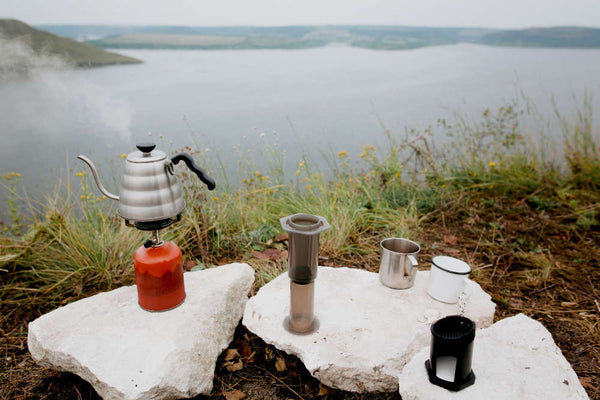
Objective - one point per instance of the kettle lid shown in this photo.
(146, 153)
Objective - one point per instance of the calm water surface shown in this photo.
(317, 100)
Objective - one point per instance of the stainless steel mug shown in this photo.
(398, 266)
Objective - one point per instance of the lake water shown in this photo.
(316, 100)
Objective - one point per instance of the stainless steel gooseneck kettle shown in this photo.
(151, 196)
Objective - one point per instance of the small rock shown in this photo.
(367, 331)
(127, 353)
(515, 358)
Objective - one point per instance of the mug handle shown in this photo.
(413, 260)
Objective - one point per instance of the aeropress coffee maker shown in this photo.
(451, 353)
(151, 199)
(303, 253)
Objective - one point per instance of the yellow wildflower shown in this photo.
(301, 163)
(215, 198)
(474, 174)
(444, 185)
(82, 197)
(103, 197)
(492, 164)
(124, 155)
(342, 154)
(297, 172)
(18, 175)
(224, 195)
(12, 174)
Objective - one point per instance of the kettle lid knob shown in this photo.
(146, 147)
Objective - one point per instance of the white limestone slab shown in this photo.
(128, 353)
(515, 358)
(367, 331)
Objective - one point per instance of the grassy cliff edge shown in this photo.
(72, 51)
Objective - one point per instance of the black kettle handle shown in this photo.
(189, 161)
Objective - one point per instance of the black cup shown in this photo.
(451, 353)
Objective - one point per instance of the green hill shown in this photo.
(72, 51)
(288, 37)
(546, 37)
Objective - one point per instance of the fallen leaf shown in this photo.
(275, 254)
(269, 254)
(245, 349)
(222, 261)
(323, 390)
(234, 366)
(280, 364)
(282, 237)
(188, 265)
(269, 354)
(451, 240)
(231, 354)
(586, 382)
(234, 395)
(260, 255)
(568, 303)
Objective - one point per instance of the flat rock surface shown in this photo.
(128, 353)
(515, 358)
(367, 331)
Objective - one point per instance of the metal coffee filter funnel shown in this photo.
(303, 233)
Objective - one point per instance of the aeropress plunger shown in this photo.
(303, 232)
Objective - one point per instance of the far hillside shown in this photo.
(298, 37)
(72, 51)
(546, 37)
(282, 37)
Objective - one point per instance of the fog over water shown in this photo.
(315, 100)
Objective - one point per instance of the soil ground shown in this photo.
(531, 261)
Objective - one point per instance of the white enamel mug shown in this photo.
(448, 278)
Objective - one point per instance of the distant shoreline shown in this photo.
(303, 37)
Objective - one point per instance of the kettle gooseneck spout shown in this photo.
(97, 178)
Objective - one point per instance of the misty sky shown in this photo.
(484, 13)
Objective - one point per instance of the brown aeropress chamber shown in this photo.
(303, 253)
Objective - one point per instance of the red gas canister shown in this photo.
(159, 276)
